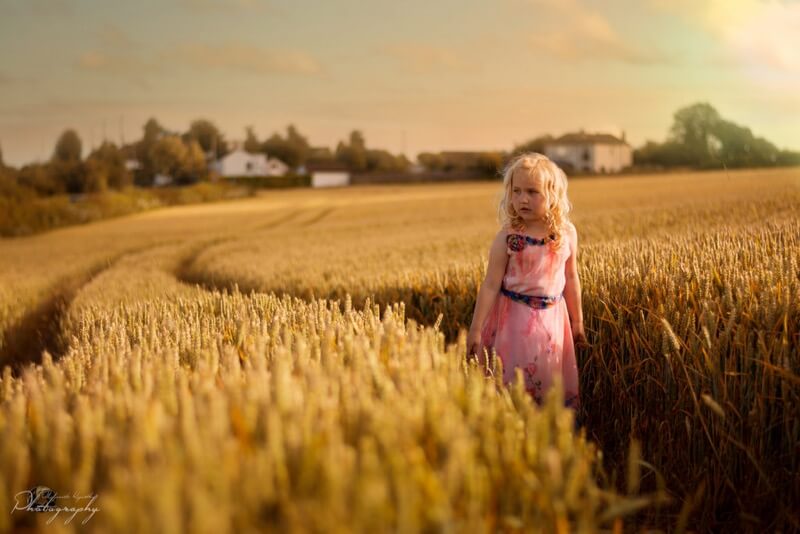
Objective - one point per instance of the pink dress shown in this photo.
(537, 340)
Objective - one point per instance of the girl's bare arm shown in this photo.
(572, 289)
(498, 259)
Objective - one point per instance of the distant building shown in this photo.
(241, 163)
(416, 168)
(585, 152)
(328, 173)
(128, 153)
(161, 180)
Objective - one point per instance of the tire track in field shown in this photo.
(40, 328)
(318, 217)
(422, 306)
(279, 221)
(186, 273)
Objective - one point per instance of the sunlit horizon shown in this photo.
(418, 77)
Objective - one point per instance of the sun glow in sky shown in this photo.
(412, 76)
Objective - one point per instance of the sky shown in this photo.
(417, 75)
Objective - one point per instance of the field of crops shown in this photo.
(295, 362)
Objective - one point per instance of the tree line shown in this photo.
(702, 139)
(184, 157)
(698, 138)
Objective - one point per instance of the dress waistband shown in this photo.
(534, 301)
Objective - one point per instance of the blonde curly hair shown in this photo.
(554, 182)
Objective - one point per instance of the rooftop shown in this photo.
(581, 138)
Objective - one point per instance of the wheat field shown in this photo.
(295, 362)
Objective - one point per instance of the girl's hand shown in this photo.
(473, 342)
(579, 336)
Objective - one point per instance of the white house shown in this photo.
(590, 152)
(328, 174)
(241, 163)
(161, 180)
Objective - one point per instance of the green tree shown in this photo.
(357, 140)
(79, 176)
(490, 162)
(153, 131)
(11, 188)
(431, 161)
(251, 143)
(353, 154)
(740, 148)
(298, 144)
(700, 137)
(185, 162)
(68, 147)
(208, 136)
(276, 147)
(383, 160)
(169, 156)
(536, 144)
(110, 159)
(788, 157)
(41, 179)
(95, 176)
(194, 167)
(321, 153)
(66, 166)
(693, 128)
(293, 150)
(667, 154)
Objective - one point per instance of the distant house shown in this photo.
(416, 168)
(161, 180)
(328, 173)
(241, 163)
(128, 153)
(585, 152)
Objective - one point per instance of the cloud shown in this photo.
(770, 36)
(758, 35)
(218, 6)
(233, 57)
(112, 36)
(582, 35)
(244, 58)
(60, 107)
(422, 59)
(127, 67)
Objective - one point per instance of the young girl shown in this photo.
(529, 305)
